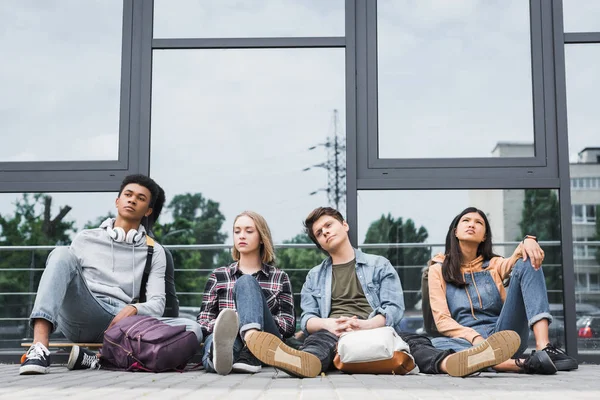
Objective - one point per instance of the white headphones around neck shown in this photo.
(118, 234)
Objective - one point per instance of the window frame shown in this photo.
(541, 167)
(91, 175)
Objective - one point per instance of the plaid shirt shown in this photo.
(275, 285)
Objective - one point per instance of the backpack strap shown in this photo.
(142, 295)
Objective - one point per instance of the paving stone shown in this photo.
(270, 384)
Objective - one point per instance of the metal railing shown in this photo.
(39, 253)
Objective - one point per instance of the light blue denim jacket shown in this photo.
(379, 281)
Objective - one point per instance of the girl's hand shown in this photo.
(533, 251)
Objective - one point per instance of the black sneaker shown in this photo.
(246, 362)
(562, 361)
(224, 333)
(81, 358)
(37, 360)
(538, 362)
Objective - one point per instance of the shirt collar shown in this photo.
(234, 269)
(359, 256)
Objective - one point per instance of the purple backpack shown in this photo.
(143, 343)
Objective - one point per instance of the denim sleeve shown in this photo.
(308, 302)
(391, 295)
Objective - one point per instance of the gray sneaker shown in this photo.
(224, 334)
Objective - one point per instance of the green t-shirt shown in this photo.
(347, 296)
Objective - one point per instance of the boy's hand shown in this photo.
(127, 311)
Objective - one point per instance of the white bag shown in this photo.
(370, 345)
(374, 351)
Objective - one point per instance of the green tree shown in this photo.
(31, 224)
(541, 217)
(196, 220)
(99, 220)
(296, 262)
(408, 261)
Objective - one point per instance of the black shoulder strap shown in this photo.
(150, 244)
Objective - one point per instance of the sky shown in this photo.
(237, 125)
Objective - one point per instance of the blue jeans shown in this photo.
(253, 313)
(526, 303)
(64, 299)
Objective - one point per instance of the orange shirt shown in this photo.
(499, 268)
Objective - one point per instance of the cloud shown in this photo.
(240, 18)
(63, 79)
(454, 78)
(236, 125)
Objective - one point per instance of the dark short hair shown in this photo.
(315, 215)
(157, 195)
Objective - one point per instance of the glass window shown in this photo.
(594, 281)
(579, 249)
(260, 130)
(581, 281)
(590, 213)
(577, 212)
(583, 85)
(583, 92)
(30, 220)
(60, 91)
(454, 79)
(256, 18)
(419, 220)
(581, 15)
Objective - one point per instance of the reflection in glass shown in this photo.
(419, 220)
(581, 15)
(256, 18)
(583, 88)
(454, 79)
(236, 126)
(30, 220)
(584, 153)
(60, 90)
(236, 130)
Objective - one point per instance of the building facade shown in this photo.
(229, 106)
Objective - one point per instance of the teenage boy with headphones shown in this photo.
(90, 285)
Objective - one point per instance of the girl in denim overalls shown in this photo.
(469, 301)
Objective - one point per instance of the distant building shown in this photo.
(504, 210)
(585, 196)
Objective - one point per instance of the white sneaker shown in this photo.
(224, 334)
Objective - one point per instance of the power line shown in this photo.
(335, 166)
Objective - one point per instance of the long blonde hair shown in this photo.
(267, 252)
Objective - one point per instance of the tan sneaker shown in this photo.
(272, 351)
(497, 348)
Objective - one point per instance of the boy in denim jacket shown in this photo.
(351, 290)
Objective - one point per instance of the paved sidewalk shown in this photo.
(198, 385)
